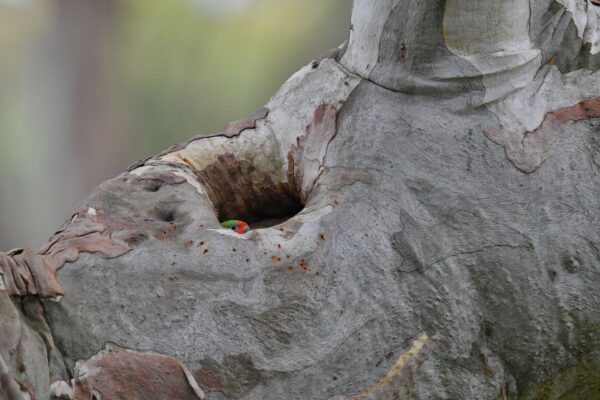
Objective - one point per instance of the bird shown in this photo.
(237, 226)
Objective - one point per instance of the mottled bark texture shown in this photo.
(426, 227)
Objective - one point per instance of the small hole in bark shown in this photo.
(151, 185)
(488, 329)
(166, 215)
(571, 264)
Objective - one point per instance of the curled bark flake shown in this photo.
(235, 128)
(35, 274)
(14, 275)
(27, 273)
(336, 54)
(61, 390)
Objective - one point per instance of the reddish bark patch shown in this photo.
(235, 128)
(311, 149)
(529, 150)
(210, 380)
(118, 373)
(584, 110)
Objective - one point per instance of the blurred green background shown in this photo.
(89, 86)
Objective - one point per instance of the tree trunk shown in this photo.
(425, 226)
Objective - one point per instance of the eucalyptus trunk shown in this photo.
(425, 226)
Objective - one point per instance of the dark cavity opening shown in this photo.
(239, 191)
(164, 214)
(152, 185)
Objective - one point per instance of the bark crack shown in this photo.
(359, 76)
(479, 250)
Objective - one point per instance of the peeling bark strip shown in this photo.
(336, 53)
(235, 128)
(398, 383)
(527, 152)
(311, 149)
(25, 273)
(117, 373)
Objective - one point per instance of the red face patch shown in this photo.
(240, 227)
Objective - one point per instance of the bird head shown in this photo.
(237, 226)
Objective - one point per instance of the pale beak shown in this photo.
(246, 229)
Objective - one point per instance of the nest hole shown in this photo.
(239, 191)
(261, 211)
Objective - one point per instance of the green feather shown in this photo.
(229, 224)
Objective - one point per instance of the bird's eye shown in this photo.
(234, 227)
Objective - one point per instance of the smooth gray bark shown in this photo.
(447, 245)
